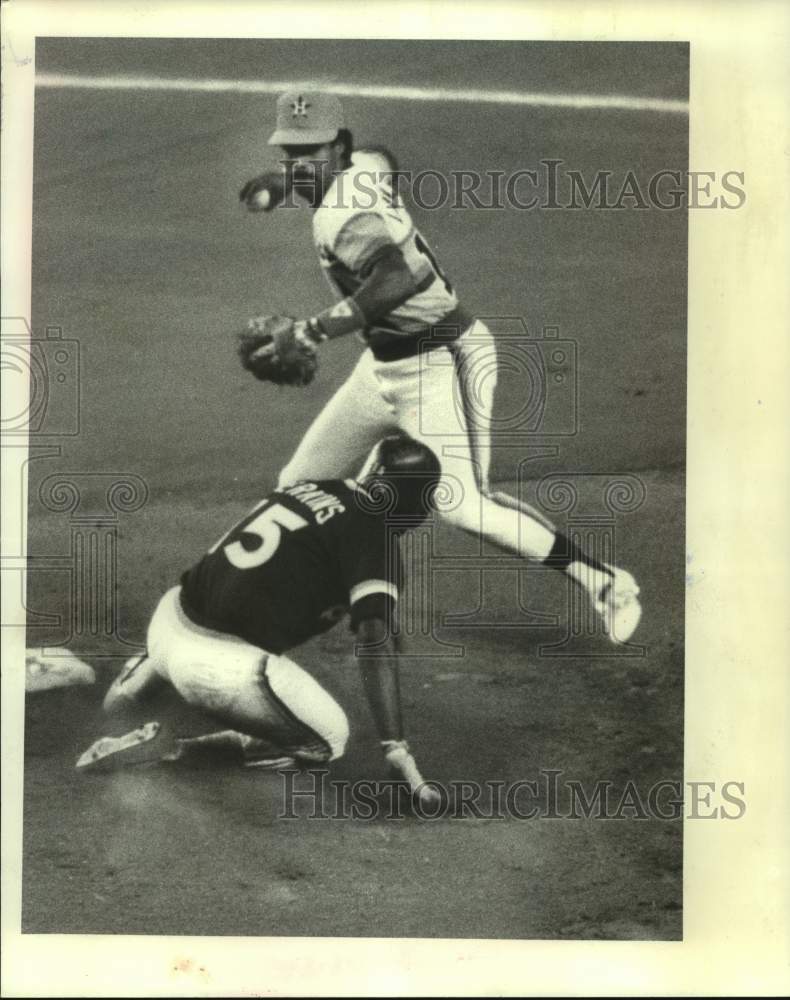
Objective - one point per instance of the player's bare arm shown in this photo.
(377, 655)
(388, 284)
(378, 664)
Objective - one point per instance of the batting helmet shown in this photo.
(400, 478)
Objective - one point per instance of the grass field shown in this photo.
(142, 255)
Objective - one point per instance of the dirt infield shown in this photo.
(142, 256)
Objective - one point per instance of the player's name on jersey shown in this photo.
(324, 505)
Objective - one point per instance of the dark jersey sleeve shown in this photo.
(370, 563)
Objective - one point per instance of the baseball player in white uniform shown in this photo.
(394, 296)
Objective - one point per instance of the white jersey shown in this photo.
(356, 220)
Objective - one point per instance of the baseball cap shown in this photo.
(306, 118)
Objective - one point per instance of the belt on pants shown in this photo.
(439, 334)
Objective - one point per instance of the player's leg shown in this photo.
(256, 693)
(140, 679)
(271, 703)
(460, 436)
(344, 432)
(312, 725)
(612, 591)
(433, 408)
(135, 684)
(474, 377)
(263, 698)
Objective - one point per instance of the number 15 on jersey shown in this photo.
(268, 525)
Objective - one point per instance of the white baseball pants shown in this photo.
(252, 691)
(443, 398)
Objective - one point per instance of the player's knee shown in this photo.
(338, 737)
(321, 724)
(334, 731)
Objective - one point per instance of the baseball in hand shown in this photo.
(261, 201)
(265, 192)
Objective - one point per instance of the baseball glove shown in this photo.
(275, 350)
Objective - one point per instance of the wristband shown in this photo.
(398, 755)
(343, 317)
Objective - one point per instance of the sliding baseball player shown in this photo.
(392, 293)
(303, 558)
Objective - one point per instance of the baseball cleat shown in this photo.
(617, 602)
(121, 748)
(265, 756)
(228, 746)
(271, 762)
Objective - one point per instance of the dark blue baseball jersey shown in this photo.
(294, 566)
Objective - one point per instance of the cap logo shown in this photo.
(299, 107)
